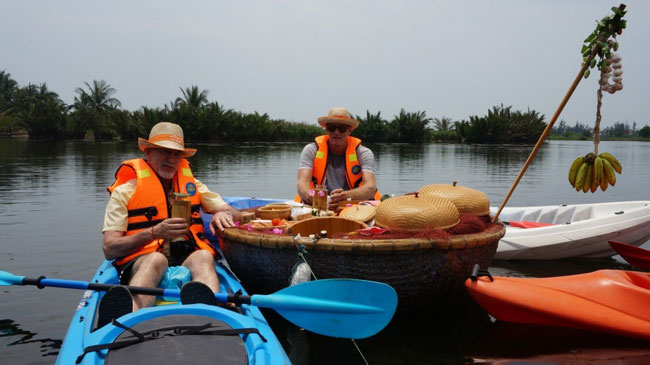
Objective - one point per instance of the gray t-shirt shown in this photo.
(335, 173)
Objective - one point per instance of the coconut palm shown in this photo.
(372, 128)
(39, 111)
(411, 127)
(93, 110)
(192, 97)
(443, 124)
(8, 87)
(98, 97)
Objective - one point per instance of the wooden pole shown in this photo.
(548, 128)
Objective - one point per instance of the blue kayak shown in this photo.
(171, 332)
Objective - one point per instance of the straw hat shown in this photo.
(362, 213)
(417, 212)
(467, 200)
(166, 135)
(339, 116)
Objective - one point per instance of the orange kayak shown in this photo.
(608, 301)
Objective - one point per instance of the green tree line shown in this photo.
(619, 131)
(39, 112)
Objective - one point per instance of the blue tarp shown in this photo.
(237, 202)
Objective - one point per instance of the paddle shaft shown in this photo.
(275, 301)
(173, 293)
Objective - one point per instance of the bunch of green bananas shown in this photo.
(591, 171)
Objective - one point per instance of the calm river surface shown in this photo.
(53, 195)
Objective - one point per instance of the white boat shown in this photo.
(578, 230)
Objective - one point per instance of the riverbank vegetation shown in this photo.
(38, 112)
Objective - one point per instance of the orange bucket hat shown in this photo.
(166, 135)
(338, 116)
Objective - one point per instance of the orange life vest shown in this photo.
(149, 205)
(353, 174)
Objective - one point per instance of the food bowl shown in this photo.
(274, 210)
(330, 224)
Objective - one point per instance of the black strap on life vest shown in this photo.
(142, 225)
(148, 212)
(164, 332)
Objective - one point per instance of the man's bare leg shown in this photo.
(147, 271)
(201, 266)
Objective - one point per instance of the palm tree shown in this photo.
(98, 98)
(411, 127)
(372, 128)
(93, 109)
(8, 87)
(192, 97)
(39, 111)
(187, 109)
(443, 124)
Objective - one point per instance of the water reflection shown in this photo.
(29, 167)
(9, 330)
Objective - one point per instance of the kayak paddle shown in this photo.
(636, 256)
(345, 308)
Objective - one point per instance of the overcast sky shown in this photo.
(296, 59)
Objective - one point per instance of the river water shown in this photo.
(53, 195)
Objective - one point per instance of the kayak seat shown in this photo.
(177, 339)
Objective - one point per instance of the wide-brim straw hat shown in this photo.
(362, 213)
(417, 212)
(339, 116)
(166, 135)
(467, 200)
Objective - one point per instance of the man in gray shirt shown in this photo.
(338, 162)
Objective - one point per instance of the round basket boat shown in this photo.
(425, 272)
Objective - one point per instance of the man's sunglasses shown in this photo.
(341, 128)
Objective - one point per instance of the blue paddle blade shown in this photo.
(345, 308)
(7, 279)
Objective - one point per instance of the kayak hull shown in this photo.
(607, 301)
(636, 256)
(256, 349)
(578, 230)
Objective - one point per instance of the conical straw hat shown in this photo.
(417, 212)
(467, 200)
(362, 213)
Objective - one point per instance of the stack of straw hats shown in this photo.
(417, 212)
(467, 200)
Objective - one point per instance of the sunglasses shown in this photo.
(341, 128)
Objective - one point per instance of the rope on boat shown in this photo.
(302, 251)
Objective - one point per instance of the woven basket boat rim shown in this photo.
(274, 241)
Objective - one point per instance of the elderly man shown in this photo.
(138, 224)
(337, 161)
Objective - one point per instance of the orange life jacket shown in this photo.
(149, 206)
(353, 173)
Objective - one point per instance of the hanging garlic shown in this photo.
(618, 72)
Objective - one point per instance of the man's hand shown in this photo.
(336, 196)
(220, 221)
(170, 228)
